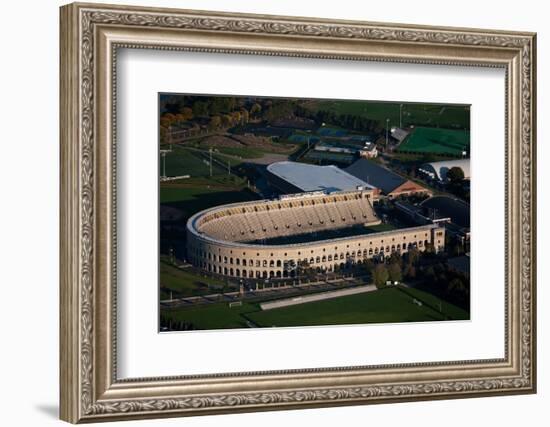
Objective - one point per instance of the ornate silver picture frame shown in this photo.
(90, 388)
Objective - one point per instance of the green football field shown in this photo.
(390, 305)
(436, 141)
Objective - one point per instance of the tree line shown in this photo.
(175, 325)
(426, 271)
(224, 112)
(347, 121)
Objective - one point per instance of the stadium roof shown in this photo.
(376, 175)
(316, 178)
(439, 169)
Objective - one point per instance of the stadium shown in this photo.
(277, 238)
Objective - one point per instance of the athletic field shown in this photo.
(395, 304)
(436, 141)
(442, 115)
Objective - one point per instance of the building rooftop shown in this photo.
(424, 213)
(369, 146)
(376, 175)
(458, 210)
(399, 134)
(316, 178)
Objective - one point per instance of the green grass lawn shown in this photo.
(213, 316)
(437, 141)
(186, 162)
(433, 302)
(171, 193)
(192, 200)
(447, 116)
(185, 282)
(383, 306)
(389, 305)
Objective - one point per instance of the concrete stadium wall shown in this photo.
(256, 261)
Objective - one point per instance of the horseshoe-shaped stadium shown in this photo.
(274, 238)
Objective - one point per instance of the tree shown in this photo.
(305, 269)
(429, 249)
(180, 117)
(455, 175)
(410, 272)
(456, 285)
(412, 256)
(187, 113)
(369, 265)
(244, 116)
(215, 122)
(255, 110)
(394, 272)
(227, 120)
(163, 134)
(169, 116)
(200, 108)
(165, 122)
(456, 248)
(430, 274)
(236, 115)
(395, 258)
(380, 275)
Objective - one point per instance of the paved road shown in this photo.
(291, 290)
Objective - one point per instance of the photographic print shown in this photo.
(282, 212)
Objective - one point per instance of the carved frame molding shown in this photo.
(90, 37)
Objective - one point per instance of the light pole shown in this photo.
(210, 151)
(400, 115)
(163, 154)
(387, 131)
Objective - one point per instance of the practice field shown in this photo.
(177, 283)
(212, 316)
(406, 114)
(186, 162)
(197, 196)
(436, 141)
(383, 306)
(389, 305)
